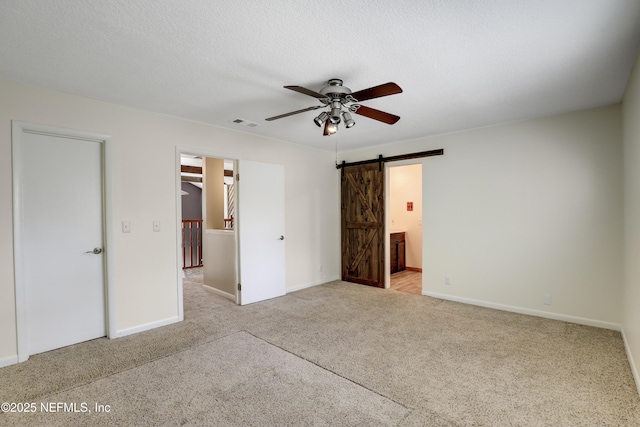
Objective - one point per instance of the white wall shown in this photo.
(631, 295)
(144, 189)
(405, 185)
(213, 189)
(219, 259)
(516, 211)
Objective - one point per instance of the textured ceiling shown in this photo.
(461, 64)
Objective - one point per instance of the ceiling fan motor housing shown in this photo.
(335, 89)
(337, 94)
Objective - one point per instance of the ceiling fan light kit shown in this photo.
(321, 118)
(340, 101)
(330, 128)
(348, 121)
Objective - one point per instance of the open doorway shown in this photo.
(367, 225)
(243, 248)
(208, 248)
(191, 192)
(404, 226)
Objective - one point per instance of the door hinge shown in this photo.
(237, 177)
(239, 287)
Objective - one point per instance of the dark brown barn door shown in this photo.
(363, 224)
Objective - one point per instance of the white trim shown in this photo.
(632, 364)
(17, 129)
(7, 361)
(145, 327)
(527, 311)
(238, 229)
(387, 226)
(109, 236)
(227, 295)
(312, 284)
(180, 270)
(18, 263)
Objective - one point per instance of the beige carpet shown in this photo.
(337, 354)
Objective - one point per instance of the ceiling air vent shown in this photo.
(244, 122)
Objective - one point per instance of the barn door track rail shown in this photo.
(381, 160)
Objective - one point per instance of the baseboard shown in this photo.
(632, 364)
(7, 361)
(219, 292)
(528, 311)
(417, 269)
(145, 327)
(312, 284)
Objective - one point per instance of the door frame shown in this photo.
(387, 220)
(202, 153)
(17, 158)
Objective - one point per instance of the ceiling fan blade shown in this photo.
(306, 91)
(377, 91)
(374, 114)
(294, 112)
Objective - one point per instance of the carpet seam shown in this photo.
(75, 386)
(332, 372)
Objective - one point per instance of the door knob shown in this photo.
(95, 251)
(281, 238)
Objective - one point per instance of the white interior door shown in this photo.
(261, 244)
(62, 223)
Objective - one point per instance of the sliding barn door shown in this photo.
(363, 224)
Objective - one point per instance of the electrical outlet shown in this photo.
(447, 280)
(547, 299)
(126, 226)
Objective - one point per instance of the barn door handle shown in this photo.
(95, 251)
(281, 238)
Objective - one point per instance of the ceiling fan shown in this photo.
(340, 101)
